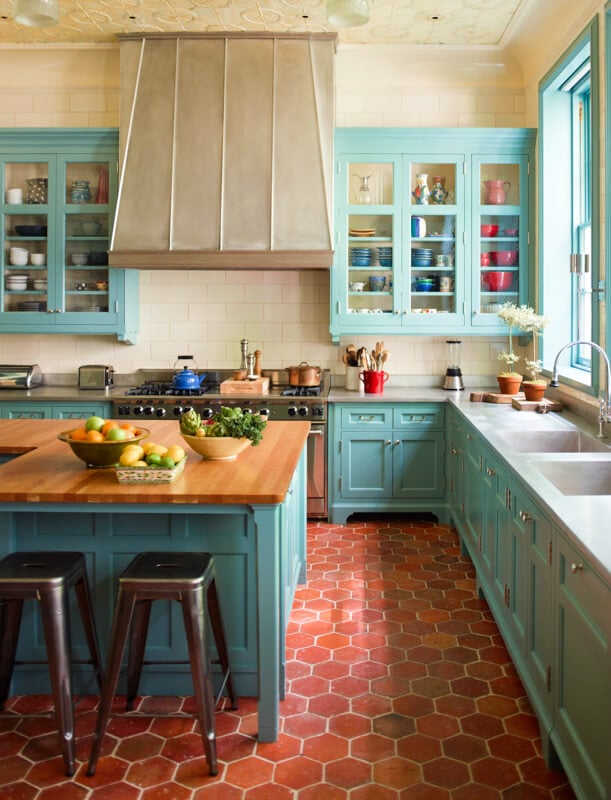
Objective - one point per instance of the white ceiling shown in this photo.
(437, 22)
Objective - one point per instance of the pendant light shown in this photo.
(347, 13)
(37, 13)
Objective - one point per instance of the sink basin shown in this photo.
(578, 477)
(552, 442)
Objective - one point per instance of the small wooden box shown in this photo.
(258, 386)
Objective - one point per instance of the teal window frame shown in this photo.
(569, 204)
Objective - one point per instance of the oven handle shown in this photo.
(316, 432)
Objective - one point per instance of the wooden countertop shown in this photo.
(49, 472)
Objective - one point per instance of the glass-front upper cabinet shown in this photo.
(500, 230)
(434, 224)
(57, 213)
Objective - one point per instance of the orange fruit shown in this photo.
(108, 425)
(94, 436)
(129, 434)
(128, 426)
(79, 435)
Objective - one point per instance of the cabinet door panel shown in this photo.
(418, 464)
(366, 465)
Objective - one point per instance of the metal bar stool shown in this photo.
(47, 577)
(188, 578)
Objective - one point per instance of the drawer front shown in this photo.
(367, 417)
(582, 588)
(419, 416)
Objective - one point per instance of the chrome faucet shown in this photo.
(604, 414)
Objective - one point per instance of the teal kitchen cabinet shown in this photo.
(62, 187)
(386, 458)
(442, 220)
(74, 410)
(580, 672)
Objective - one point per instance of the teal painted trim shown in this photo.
(589, 37)
(607, 176)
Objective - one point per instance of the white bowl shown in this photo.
(40, 284)
(91, 228)
(19, 259)
(37, 259)
(80, 259)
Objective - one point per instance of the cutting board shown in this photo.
(497, 397)
(533, 405)
(258, 386)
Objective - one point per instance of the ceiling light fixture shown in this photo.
(347, 13)
(37, 13)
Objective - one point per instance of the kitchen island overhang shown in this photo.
(250, 514)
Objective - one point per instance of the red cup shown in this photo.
(374, 380)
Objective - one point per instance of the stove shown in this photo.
(156, 398)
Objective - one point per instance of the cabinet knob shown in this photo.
(397, 442)
(456, 452)
(388, 442)
(575, 568)
(525, 516)
(490, 472)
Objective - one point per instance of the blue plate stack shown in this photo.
(360, 256)
(422, 257)
(385, 256)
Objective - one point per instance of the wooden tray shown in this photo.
(533, 405)
(497, 397)
(258, 386)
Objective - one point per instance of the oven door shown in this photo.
(317, 471)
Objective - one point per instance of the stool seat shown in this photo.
(47, 578)
(188, 578)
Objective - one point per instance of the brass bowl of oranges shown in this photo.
(99, 442)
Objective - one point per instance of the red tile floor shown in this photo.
(399, 688)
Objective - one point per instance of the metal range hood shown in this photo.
(226, 151)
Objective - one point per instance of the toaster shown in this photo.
(95, 376)
(16, 376)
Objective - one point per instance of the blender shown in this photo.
(453, 378)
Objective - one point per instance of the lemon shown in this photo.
(139, 464)
(128, 458)
(146, 446)
(158, 449)
(176, 453)
(136, 449)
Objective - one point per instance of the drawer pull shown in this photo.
(490, 472)
(363, 418)
(419, 417)
(575, 568)
(525, 516)
(456, 452)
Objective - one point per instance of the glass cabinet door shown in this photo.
(433, 226)
(501, 235)
(372, 239)
(27, 219)
(83, 252)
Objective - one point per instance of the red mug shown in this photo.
(374, 380)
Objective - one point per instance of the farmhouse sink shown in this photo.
(578, 477)
(552, 442)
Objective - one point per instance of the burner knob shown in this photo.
(291, 411)
(206, 413)
(318, 411)
(177, 411)
(247, 411)
(264, 412)
(138, 411)
(188, 408)
(148, 411)
(123, 411)
(160, 412)
(302, 411)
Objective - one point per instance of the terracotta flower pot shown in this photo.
(533, 390)
(509, 384)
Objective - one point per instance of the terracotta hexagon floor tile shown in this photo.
(507, 686)
(371, 705)
(532, 773)
(523, 725)
(151, 772)
(304, 725)
(117, 791)
(12, 743)
(258, 772)
(372, 747)
(454, 706)
(390, 687)
(438, 726)
(368, 670)
(445, 772)
(430, 687)
(65, 791)
(396, 773)
(447, 670)
(19, 791)
(272, 792)
(350, 725)
(495, 772)
(13, 768)
(482, 725)
(373, 793)
(233, 747)
(424, 791)
(139, 747)
(470, 687)
(394, 726)
(328, 705)
(496, 706)
(310, 686)
(465, 748)
(313, 655)
(109, 770)
(413, 706)
(165, 791)
(484, 670)
(475, 791)
(419, 748)
(298, 772)
(323, 790)
(348, 773)
(513, 748)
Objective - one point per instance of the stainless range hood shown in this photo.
(226, 151)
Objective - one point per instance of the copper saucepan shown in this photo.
(304, 374)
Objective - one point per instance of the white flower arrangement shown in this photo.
(525, 319)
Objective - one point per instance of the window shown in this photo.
(569, 207)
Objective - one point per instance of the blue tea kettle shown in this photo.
(186, 378)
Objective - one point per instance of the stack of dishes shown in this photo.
(16, 283)
(362, 231)
(32, 306)
(360, 256)
(422, 257)
(385, 256)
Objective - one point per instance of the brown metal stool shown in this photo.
(188, 578)
(47, 577)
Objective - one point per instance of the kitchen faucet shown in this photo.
(605, 402)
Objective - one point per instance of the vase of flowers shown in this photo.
(509, 380)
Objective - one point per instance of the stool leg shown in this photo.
(55, 614)
(83, 596)
(194, 615)
(137, 643)
(218, 628)
(10, 621)
(120, 627)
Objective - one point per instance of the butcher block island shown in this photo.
(249, 513)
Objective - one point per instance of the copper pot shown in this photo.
(304, 375)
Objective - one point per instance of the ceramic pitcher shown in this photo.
(496, 192)
(422, 192)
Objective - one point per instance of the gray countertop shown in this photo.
(584, 519)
